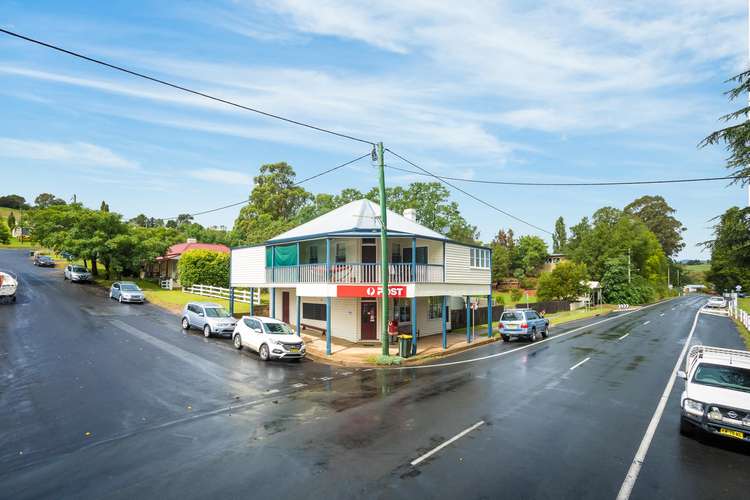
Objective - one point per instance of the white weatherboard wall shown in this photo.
(458, 266)
(344, 317)
(248, 266)
(427, 326)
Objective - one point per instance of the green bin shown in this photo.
(404, 346)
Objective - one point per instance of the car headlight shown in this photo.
(714, 414)
(746, 421)
(693, 407)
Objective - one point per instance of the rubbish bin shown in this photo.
(404, 346)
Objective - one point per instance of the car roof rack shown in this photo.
(732, 356)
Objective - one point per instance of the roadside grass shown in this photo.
(698, 268)
(504, 298)
(744, 304)
(15, 244)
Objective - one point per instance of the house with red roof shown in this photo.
(165, 266)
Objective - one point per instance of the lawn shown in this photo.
(15, 244)
(504, 298)
(698, 268)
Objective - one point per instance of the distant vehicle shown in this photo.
(522, 323)
(716, 398)
(8, 287)
(76, 273)
(126, 291)
(211, 318)
(717, 302)
(44, 261)
(270, 338)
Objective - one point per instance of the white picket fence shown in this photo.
(240, 295)
(739, 314)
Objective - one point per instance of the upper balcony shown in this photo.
(356, 273)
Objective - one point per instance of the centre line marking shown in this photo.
(635, 467)
(647, 322)
(579, 364)
(458, 436)
(624, 336)
(662, 314)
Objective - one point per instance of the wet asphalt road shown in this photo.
(173, 415)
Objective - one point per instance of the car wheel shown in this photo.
(119, 299)
(185, 324)
(237, 341)
(686, 428)
(506, 338)
(532, 337)
(263, 353)
(545, 333)
(206, 331)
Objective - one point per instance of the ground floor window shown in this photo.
(314, 311)
(434, 308)
(403, 312)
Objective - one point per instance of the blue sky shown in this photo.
(487, 90)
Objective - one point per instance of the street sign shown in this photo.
(371, 291)
(738, 288)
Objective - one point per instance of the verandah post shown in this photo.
(445, 331)
(468, 319)
(414, 325)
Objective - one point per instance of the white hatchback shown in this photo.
(269, 337)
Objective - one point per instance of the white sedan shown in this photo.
(269, 337)
(717, 302)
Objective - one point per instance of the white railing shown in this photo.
(739, 314)
(355, 273)
(167, 284)
(240, 295)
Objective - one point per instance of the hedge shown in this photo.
(203, 267)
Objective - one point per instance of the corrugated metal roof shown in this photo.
(360, 217)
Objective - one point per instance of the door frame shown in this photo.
(370, 303)
(286, 301)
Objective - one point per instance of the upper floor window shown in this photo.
(480, 257)
(340, 253)
(312, 254)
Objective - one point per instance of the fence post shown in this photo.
(231, 301)
(252, 302)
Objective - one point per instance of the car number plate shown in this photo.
(293, 349)
(731, 433)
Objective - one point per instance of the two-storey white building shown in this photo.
(325, 275)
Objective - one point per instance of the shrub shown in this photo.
(4, 233)
(566, 282)
(515, 294)
(389, 360)
(204, 267)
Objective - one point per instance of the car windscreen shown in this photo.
(278, 328)
(45, 257)
(727, 377)
(129, 287)
(79, 270)
(512, 316)
(217, 312)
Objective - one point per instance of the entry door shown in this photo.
(369, 273)
(285, 307)
(369, 319)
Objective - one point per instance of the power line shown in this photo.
(490, 205)
(306, 179)
(518, 183)
(180, 87)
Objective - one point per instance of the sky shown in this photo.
(487, 90)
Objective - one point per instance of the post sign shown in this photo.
(370, 291)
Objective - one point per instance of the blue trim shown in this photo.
(252, 301)
(468, 320)
(445, 331)
(413, 325)
(273, 271)
(443, 262)
(328, 259)
(328, 326)
(299, 319)
(489, 313)
(273, 302)
(414, 259)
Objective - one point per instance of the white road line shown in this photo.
(272, 391)
(623, 337)
(579, 364)
(662, 314)
(635, 467)
(458, 436)
(326, 379)
(298, 385)
(538, 342)
(646, 323)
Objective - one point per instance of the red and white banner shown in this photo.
(370, 291)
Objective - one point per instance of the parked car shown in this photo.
(716, 398)
(76, 273)
(126, 291)
(270, 338)
(212, 318)
(717, 302)
(44, 261)
(8, 287)
(525, 323)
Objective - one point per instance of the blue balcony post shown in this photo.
(414, 260)
(252, 301)
(445, 331)
(328, 260)
(273, 265)
(468, 319)
(231, 300)
(328, 326)
(299, 320)
(414, 325)
(299, 262)
(273, 302)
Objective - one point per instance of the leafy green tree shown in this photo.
(532, 251)
(656, 213)
(730, 250)
(13, 201)
(567, 281)
(515, 295)
(203, 267)
(735, 136)
(184, 219)
(616, 287)
(104, 207)
(4, 233)
(503, 254)
(45, 200)
(559, 237)
(11, 220)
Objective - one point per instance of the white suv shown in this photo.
(716, 398)
(269, 337)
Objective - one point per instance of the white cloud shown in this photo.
(72, 153)
(221, 176)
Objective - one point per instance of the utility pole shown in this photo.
(628, 266)
(384, 254)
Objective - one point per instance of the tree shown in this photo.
(532, 251)
(13, 201)
(11, 221)
(45, 200)
(503, 254)
(560, 236)
(618, 289)
(735, 137)
(104, 207)
(4, 233)
(567, 281)
(184, 219)
(730, 250)
(203, 267)
(656, 213)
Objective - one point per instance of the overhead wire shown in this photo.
(182, 88)
(476, 198)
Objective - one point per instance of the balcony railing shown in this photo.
(355, 273)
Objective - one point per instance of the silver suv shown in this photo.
(522, 323)
(209, 317)
(76, 273)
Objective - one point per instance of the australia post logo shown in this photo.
(369, 291)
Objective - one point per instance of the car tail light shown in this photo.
(524, 325)
(500, 325)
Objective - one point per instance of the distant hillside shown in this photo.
(4, 212)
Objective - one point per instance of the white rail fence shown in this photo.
(240, 295)
(739, 314)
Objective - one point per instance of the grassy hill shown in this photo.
(698, 268)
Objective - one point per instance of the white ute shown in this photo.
(716, 398)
